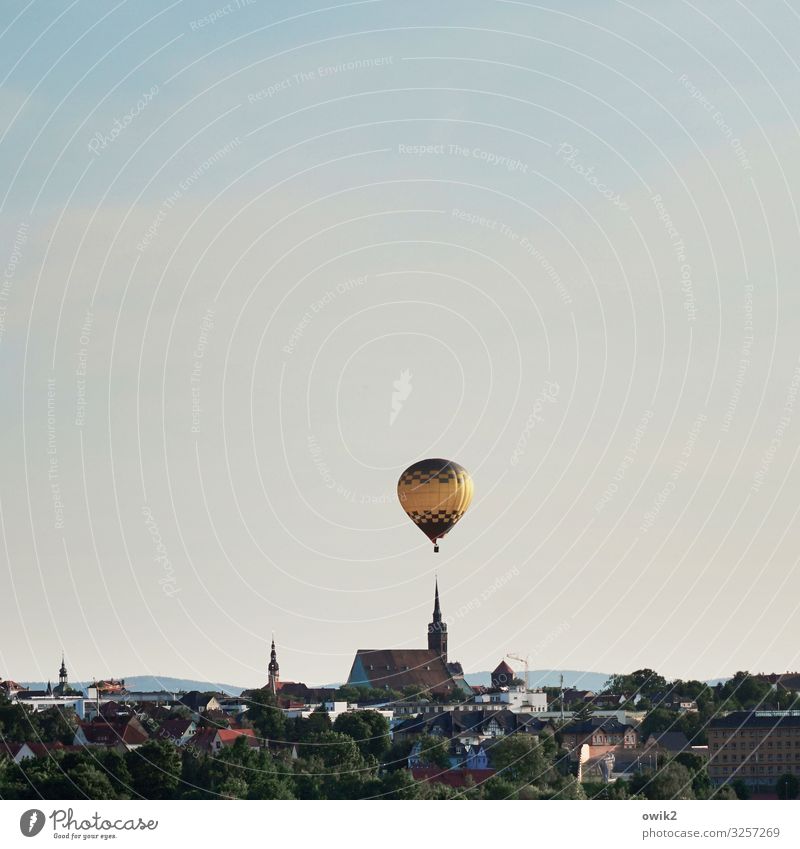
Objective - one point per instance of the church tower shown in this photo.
(437, 630)
(273, 669)
(63, 683)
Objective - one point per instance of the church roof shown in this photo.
(395, 669)
(505, 669)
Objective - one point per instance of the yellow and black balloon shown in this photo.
(435, 494)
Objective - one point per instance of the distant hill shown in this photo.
(549, 678)
(144, 683)
(580, 679)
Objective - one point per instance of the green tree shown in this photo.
(56, 725)
(672, 781)
(434, 751)
(741, 790)
(155, 769)
(396, 758)
(744, 691)
(646, 682)
(89, 782)
(368, 728)
(268, 719)
(521, 759)
(498, 787)
(787, 786)
(725, 792)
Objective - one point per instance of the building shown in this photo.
(601, 734)
(9, 688)
(469, 764)
(788, 682)
(274, 670)
(211, 740)
(503, 676)
(756, 747)
(289, 694)
(199, 703)
(667, 743)
(110, 689)
(19, 752)
(516, 699)
(177, 731)
(471, 727)
(63, 688)
(123, 733)
(427, 670)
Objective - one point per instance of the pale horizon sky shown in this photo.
(227, 231)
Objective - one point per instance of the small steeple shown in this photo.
(273, 669)
(62, 673)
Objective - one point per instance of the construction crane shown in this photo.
(523, 660)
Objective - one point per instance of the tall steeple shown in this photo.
(437, 629)
(62, 673)
(273, 669)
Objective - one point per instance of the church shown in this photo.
(427, 669)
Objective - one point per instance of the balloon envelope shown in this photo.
(435, 495)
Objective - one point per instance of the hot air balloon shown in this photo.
(435, 495)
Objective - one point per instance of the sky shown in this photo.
(567, 230)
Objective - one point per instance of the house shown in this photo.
(198, 702)
(210, 740)
(22, 751)
(16, 752)
(111, 688)
(785, 681)
(602, 734)
(471, 727)
(9, 688)
(123, 734)
(218, 719)
(667, 742)
(612, 701)
(177, 731)
(462, 755)
(573, 696)
(469, 765)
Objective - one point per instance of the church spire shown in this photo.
(273, 669)
(437, 629)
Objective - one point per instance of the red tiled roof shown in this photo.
(399, 668)
(451, 777)
(10, 748)
(228, 736)
(40, 750)
(110, 732)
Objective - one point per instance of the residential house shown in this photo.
(211, 740)
(602, 734)
(123, 733)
